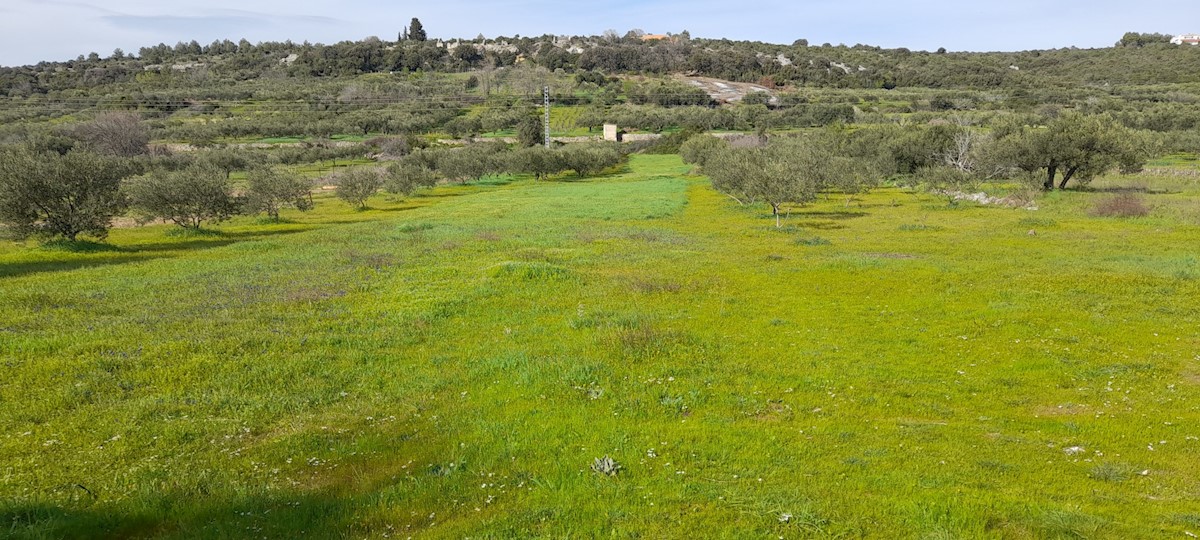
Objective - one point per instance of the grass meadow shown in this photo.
(452, 364)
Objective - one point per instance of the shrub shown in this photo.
(115, 134)
(1122, 205)
(814, 241)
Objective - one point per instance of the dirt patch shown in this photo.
(775, 411)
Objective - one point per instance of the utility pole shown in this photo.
(546, 104)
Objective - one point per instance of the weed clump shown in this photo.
(814, 241)
(1037, 222)
(606, 466)
(1121, 205)
(414, 227)
(532, 271)
(920, 227)
(1108, 472)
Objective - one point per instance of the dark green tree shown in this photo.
(226, 159)
(416, 32)
(530, 132)
(1079, 147)
(469, 163)
(48, 194)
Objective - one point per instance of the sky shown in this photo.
(36, 30)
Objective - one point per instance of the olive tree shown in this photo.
(188, 197)
(269, 190)
(1076, 146)
(589, 159)
(1081, 146)
(945, 181)
(698, 149)
(784, 172)
(469, 163)
(226, 159)
(357, 185)
(536, 160)
(405, 178)
(54, 195)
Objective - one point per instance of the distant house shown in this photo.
(1186, 39)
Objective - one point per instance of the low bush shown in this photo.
(1121, 205)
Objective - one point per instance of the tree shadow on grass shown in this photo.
(94, 255)
(210, 239)
(399, 208)
(829, 215)
(440, 195)
(8, 270)
(820, 225)
(1144, 190)
(297, 516)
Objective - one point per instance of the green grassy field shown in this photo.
(450, 366)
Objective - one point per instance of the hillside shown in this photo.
(243, 92)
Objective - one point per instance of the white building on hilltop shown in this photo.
(1186, 39)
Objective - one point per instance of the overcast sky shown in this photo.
(35, 30)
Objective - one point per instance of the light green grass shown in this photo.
(450, 366)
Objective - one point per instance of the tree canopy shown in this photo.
(188, 197)
(788, 171)
(48, 194)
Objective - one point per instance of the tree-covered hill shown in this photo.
(1136, 59)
